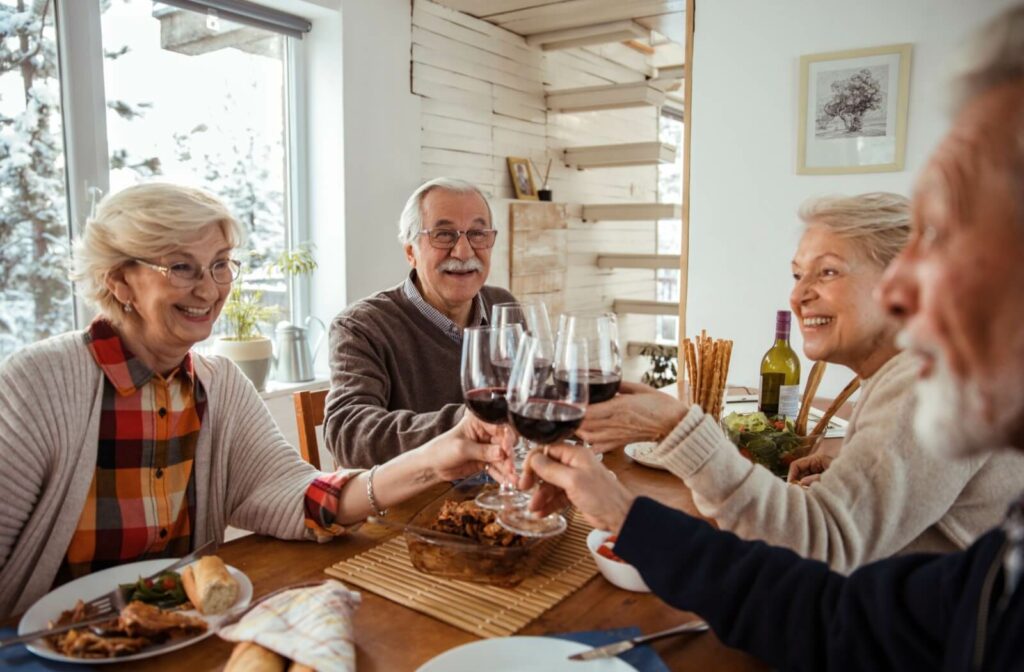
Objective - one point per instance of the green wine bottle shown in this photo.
(780, 374)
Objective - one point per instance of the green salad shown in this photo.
(770, 442)
(164, 590)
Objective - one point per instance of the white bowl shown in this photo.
(620, 574)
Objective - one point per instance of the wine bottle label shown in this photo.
(789, 400)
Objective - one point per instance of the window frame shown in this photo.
(87, 156)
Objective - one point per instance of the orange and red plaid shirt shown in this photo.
(142, 500)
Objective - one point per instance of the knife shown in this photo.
(614, 649)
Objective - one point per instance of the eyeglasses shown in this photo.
(183, 274)
(446, 239)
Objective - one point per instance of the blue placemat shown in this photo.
(643, 658)
(19, 658)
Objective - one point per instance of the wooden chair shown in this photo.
(309, 414)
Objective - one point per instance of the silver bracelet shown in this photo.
(377, 511)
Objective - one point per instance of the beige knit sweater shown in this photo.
(882, 495)
(246, 474)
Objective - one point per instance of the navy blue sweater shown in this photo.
(915, 612)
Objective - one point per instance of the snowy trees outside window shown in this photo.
(187, 100)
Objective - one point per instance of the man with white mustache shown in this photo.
(958, 287)
(396, 356)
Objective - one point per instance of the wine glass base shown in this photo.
(523, 522)
(493, 499)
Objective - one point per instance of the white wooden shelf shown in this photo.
(609, 156)
(584, 35)
(630, 212)
(639, 307)
(607, 97)
(652, 261)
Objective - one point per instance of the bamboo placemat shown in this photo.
(485, 611)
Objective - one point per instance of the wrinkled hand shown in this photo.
(809, 469)
(470, 446)
(569, 472)
(637, 413)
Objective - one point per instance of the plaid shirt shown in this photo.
(142, 498)
(141, 501)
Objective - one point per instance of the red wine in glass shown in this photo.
(544, 421)
(602, 386)
(488, 404)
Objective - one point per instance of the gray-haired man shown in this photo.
(395, 356)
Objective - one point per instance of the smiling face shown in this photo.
(166, 321)
(450, 279)
(959, 284)
(833, 302)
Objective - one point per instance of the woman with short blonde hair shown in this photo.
(883, 494)
(119, 444)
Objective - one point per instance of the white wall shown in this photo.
(744, 187)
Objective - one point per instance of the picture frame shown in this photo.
(522, 178)
(853, 111)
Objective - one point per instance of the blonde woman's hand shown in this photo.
(636, 413)
(468, 448)
(807, 470)
(574, 474)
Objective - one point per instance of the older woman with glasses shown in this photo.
(118, 443)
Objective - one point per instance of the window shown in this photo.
(34, 293)
(670, 231)
(187, 97)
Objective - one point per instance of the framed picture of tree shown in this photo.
(853, 111)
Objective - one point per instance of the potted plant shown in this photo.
(663, 365)
(244, 311)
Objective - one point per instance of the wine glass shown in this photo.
(487, 355)
(546, 404)
(532, 315)
(603, 367)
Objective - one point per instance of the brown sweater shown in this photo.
(395, 381)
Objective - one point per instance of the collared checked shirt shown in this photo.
(452, 330)
(141, 502)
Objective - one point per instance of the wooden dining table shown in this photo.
(390, 637)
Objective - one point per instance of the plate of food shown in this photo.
(642, 452)
(164, 613)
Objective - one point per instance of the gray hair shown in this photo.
(879, 222)
(145, 221)
(994, 56)
(411, 222)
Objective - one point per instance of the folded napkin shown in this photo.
(310, 625)
(19, 658)
(642, 657)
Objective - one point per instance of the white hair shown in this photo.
(994, 56)
(411, 222)
(145, 221)
(879, 222)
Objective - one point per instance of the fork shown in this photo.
(114, 601)
(106, 605)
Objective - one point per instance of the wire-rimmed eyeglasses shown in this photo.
(446, 239)
(186, 274)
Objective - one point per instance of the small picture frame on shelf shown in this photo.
(853, 111)
(522, 178)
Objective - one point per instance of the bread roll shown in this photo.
(209, 585)
(249, 657)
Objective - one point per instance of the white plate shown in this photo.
(633, 450)
(514, 654)
(49, 607)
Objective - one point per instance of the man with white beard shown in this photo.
(396, 356)
(959, 288)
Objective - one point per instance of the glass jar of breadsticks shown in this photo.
(707, 369)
